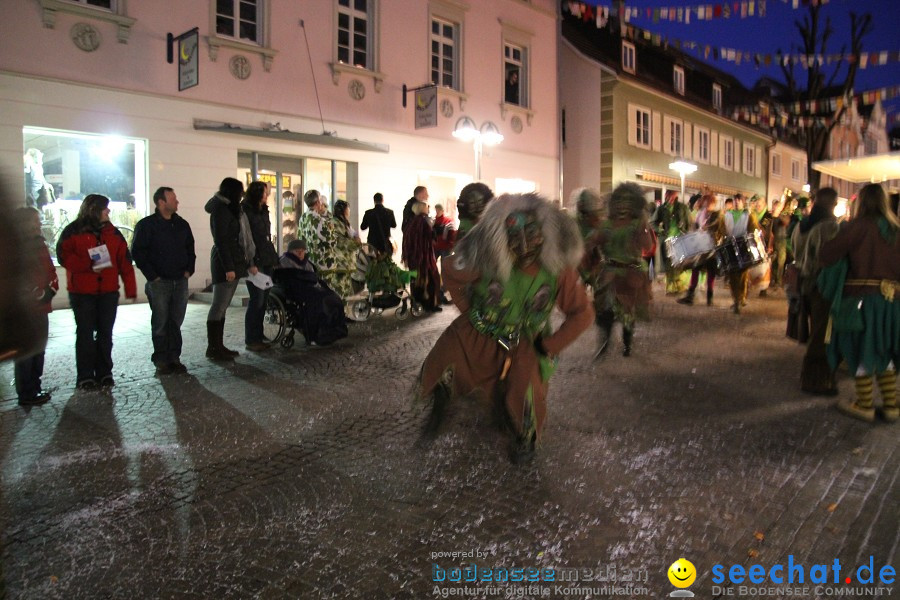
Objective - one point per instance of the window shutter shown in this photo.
(656, 131)
(756, 164)
(667, 136)
(632, 126)
(738, 161)
(721, 153)
(713, 148)
(687, 146)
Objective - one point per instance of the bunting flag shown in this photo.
(824, 104)
(600, 16)
(724, 9)
(788, 115)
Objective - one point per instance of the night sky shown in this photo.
(777, 31)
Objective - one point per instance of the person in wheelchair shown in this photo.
(321, 309)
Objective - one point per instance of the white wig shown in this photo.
(486, 247)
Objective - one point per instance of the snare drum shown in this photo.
(740, 253)
(688, 250)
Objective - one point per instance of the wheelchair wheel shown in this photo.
(275, 320)
(360, 310)
(402, 311)
(417, 309)
(287, 342)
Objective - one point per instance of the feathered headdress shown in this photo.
(486, 246)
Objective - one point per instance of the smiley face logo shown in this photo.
(682, 573)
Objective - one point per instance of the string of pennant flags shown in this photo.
(724, 9)
(785, 115)
(600, 16)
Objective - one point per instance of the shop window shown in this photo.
(62, 167)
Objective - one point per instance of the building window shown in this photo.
(239, 19)
(678, 80)
(795, 170)
(444, 53)
(515, 72)
(628, 58)
(675, 137)
(749, 159)
(776, 164)
(62, 167)
(642, 121)
(717, 96)
(107, 4)
(703, 145)
(354, 34)
(727, 153)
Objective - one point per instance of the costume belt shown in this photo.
(622, 265)
(887, 287)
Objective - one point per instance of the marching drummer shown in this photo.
(738, 222)
(707, 220)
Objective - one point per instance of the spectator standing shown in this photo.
(163, 249)
(420, 194)
(95, 256)
(816, 376)
(228, 260)
(444, 240)
(320, 232)
(255, 206)
(866, 306)
(346, 246)
(379, 221)
(418, 255)
(43, 287)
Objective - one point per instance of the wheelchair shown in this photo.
(282, 319)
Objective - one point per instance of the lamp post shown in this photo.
(683, 168)
(486, 135)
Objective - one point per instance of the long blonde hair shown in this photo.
(872, 202)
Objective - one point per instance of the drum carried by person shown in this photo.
(690, 249)
(739, 253)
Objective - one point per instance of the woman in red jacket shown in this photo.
(95, 255)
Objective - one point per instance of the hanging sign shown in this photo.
(187, 45)
(426, 107)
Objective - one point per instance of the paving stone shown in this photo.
(302, 474)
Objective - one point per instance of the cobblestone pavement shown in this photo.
(302, 474)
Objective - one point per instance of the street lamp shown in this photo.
(486, 135)
(683, 168)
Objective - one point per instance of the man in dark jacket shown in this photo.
(379, 221)
(163, 249)
(420, 194)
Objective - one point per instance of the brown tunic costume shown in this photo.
(468, 360)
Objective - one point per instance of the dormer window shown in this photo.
(678, 79)
(628, 58)
(717, 96)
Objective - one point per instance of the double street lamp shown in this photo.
(486, 135)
